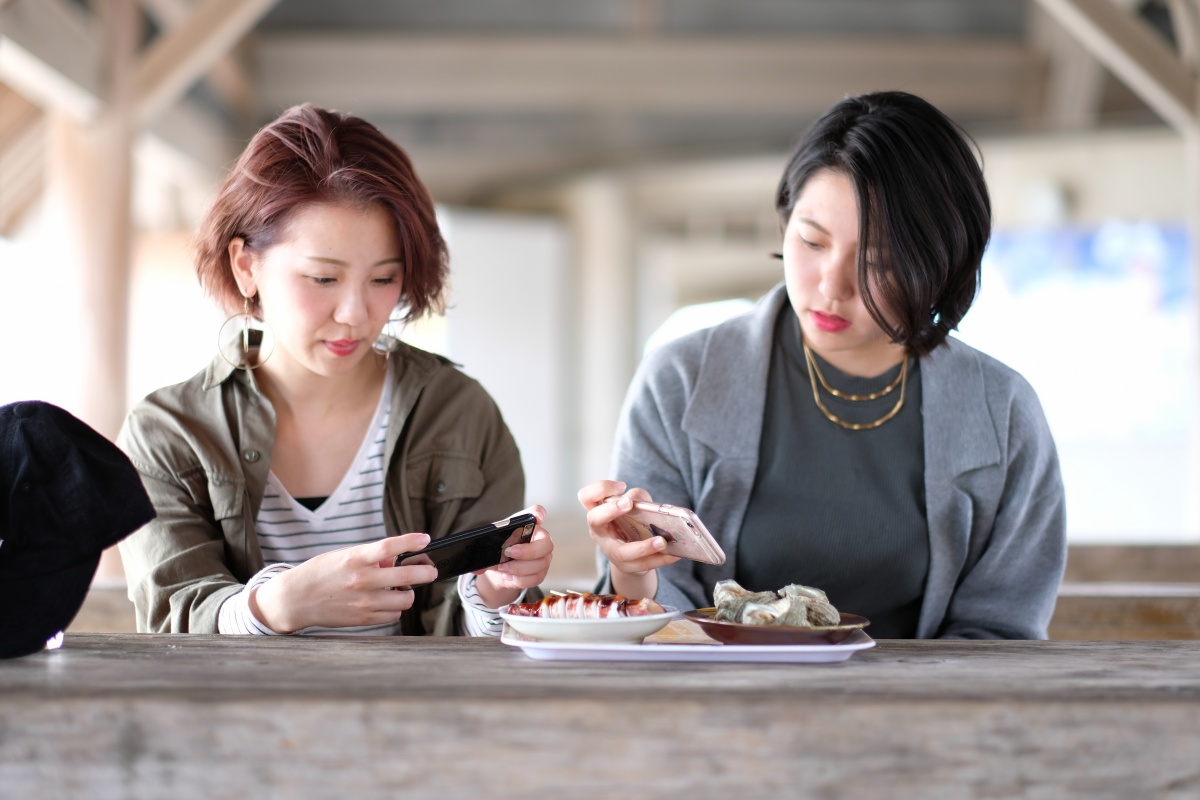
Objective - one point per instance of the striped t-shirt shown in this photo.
(290, 533)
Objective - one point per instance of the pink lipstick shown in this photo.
(830, 323)
(342, 347)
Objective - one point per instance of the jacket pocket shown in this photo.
(226, 496)
(442, 478)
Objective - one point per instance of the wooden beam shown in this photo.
(227, 78)
(1183, 20)
(1137, 55)
(22, 167)
(376, 74)
(185, 53)
(51, 52)
(1075, 80)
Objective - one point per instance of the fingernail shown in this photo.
(660, 543)
(511, 552)
(624, 504)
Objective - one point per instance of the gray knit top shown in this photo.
(839, 509)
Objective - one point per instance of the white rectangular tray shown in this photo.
(653, 651)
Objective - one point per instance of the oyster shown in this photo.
(731, 599)
(793, 605)
(820, 610)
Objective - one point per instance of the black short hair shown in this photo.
(923, 209)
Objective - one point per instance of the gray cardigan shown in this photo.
(690, 430)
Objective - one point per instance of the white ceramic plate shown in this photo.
(615, 630)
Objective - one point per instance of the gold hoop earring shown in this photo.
(245, 341)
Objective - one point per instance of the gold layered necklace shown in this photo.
(816, 378)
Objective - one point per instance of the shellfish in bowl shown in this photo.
(795, 614)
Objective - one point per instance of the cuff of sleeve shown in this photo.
(477, 619)
(235, 615)
(470, 595)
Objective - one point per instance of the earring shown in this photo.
(389, 338)
(245, 341)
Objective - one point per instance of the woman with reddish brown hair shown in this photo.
(290, 473)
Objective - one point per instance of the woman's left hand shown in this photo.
(502, 584)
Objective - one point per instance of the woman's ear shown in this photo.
(243, 263)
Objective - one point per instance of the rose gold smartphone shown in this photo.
(685, 534)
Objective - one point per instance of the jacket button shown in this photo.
(251, 456)
(440, 488)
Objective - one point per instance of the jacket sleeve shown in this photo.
(1010, 587)
(176, 566)
(651, 453)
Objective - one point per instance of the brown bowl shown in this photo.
(741, 633)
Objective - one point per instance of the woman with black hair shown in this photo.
(835, 435)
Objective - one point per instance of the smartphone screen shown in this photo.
(476, 549)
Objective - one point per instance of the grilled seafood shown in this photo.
(796, 605)
(586, 605)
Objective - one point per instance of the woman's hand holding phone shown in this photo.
(530, 561)
(352, 586)
(632, 564)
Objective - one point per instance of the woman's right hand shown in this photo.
(352, 586)
(632, 564)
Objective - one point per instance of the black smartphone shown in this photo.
(468, 551)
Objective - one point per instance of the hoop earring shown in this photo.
(245, 341)
(388, 340)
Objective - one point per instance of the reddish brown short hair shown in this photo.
(309, 155)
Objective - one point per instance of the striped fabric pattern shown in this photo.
(479, 620)
(290, 534)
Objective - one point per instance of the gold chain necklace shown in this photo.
(901, 380)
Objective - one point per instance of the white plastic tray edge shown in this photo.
(794, 653)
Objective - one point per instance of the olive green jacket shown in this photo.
(203, 448)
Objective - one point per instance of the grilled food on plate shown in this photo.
(586, 605)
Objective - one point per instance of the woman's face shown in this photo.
(820, 262)
(327, 288)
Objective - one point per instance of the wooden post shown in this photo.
(89, 214)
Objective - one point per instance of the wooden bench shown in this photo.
(1113, 592)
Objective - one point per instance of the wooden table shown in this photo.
(141, 716)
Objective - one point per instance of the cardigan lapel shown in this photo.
(960, 434)
(725, 411)
(960, 437)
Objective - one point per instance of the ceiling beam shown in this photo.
(22, 145)
(51, 52)
(1075, 80)
(185, 53)
(227, 78)
(1135, 54)
(373, 74)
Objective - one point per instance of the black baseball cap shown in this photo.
(66, 494)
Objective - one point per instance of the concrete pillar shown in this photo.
(599, 213)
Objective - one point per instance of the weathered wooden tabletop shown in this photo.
(126, 715)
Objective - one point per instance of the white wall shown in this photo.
(506, 324)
